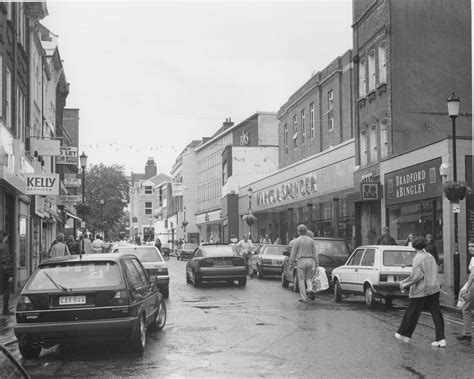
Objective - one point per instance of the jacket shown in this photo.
(303, 247)
(59, 249)
(423, 280)
(6, 266)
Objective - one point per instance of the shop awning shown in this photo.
(71, 215)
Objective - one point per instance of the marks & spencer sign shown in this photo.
(299, 188)
(413, 183)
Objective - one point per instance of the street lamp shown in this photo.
(185, 223)
(83, 161)
(151, 236)
(102, 203)
(250, 198)
(249, 218)
(453, 111)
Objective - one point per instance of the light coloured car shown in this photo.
(270, 260)
(154, 263)
(374, 272)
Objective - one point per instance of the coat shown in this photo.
(6, 265)
(423, 280)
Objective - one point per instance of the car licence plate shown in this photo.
(223, 262)
(72, 300)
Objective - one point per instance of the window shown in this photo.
(140, 270)
(372, 70)
(373, 143)
(362, 78)
(330, 110)
(382, 63)
(20, 24)
(369, 258)
(1, 84)
(285, 138)
(9, 10)
(132, 274)
(363, 147)
(8, 102)
(303, 128)
(148, 207)
(384, 138)
(295, 132)
(311, 120)
(160, 196)
(356, 257)
(148, 190)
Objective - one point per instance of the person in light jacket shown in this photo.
(59, 249)
(424, 292)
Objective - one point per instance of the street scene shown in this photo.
(228, 189)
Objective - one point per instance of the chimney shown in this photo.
(227, 123)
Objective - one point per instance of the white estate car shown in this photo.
(374, 272)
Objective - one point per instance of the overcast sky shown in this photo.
(149, 77)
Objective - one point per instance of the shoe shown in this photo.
(7, 313)
(440, 343)
(302, 301)
(464, 338)
(402, 338)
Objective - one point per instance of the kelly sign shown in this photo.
(68, 155)
(42, 184)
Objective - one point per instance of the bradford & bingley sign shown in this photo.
(418, 182)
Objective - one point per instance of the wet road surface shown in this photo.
(261, 330)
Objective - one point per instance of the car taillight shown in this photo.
(24, 304)
(120, 298)
(238, 262)
(162, 271)
(206, 262)
(383, 277)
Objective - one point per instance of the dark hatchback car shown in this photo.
(88, 298)
(215, 263)
(332, 253)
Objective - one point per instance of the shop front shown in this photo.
(210, 226)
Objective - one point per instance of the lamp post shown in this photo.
(83, 161)
(453, 111)
(102, 206)
(151, 236)
(185, 223)
(250, 191)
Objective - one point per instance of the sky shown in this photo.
(150, 77)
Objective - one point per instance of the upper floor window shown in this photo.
(303, 128)
(8, 100)
(363, 147)
(311, 120)
(148, 207)
(382, 63)
(285, 138)
(295, 132)
(20, 23)
(160, 196)
(21, 114)
(373, 143)
(362, 78)
(331, 110)
(148, 190)
(372, 70)
(8, 4)
(384, 138)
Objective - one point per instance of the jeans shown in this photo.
(5, 290)
(304, 267)
(413, 311)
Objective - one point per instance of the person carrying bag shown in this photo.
(466, 299)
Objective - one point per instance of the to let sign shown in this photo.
(418, 182)
(68, 155)
(42, 184)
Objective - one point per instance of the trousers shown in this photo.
(413, 311)
(304, 268)
(467, 315)
(5, 290)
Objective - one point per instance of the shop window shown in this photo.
(382, 63)
(362, 78)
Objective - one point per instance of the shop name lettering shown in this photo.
(42, 183)
(409, 184)
(301, 187)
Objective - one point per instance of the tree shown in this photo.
(106, 197)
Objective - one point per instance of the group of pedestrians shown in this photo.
(83, 245)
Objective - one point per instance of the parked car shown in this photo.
(253, 257)
(154, 264)
(88, 298)
(270, 260)
(185, 251)
(374, 272)
(165, 249)
(215, 263)
(332, 253)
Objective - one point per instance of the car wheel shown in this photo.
(188, 280)
(139, 337)
(369, 296)
(284, 282)
(160, 319)
(28, 351)
(259, 273)
(388, 301)
(166, 292)
(177, 258)
(242, 282)
(296, 287)
(196, 281)
(337, 291)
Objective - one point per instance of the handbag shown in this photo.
(461, 300)
(320, 280)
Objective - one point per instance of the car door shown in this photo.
(137, 290)
(367, 270)
(349, 274)
(149, 301)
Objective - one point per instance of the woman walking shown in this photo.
(424, 292)
(467, 294)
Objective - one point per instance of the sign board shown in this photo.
(177, 189)
(71, 181)
(370, 191)
(69, 200)
(42, 184)
(45, 146)
(456, 208)
(68, 155)
(40, 206)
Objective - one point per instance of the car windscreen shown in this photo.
(143, 254)
(398, 258)
(189, 246)
(70, 276)
(218, 251)
(275, 250)
(333, 248)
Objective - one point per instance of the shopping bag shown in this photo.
(462, 300)
(320, 280)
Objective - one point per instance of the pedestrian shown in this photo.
(467, 294)
(6, 272)
(431, 248)
(158, 244)
(424, 294)
(267, 239)
(244, 248)
(277, 241)
(409, 241)
(59, 249)
(386, 238)
(72, 245)
(304, 256)
(98, 246)
(211, 239)
(123, 241)
(86, 244)
(138, 241)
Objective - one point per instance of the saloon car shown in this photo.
(270, 260)
(88, 298)
(215, 263)
(153, 262)
(374, 272)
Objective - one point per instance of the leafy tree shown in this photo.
(106, 197)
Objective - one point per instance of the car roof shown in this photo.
(328, 239)
(86, 258)
(386, 247)
(136, 247)
(272, 244)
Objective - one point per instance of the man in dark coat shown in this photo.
(431, 248)
(386, 238)
(6, 272)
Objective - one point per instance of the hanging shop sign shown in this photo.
(68, 155)
(71, 181)
(42, 184)
(418, 182)
(370, 191)
(177, 189)
(45, 147)
(69, 200)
